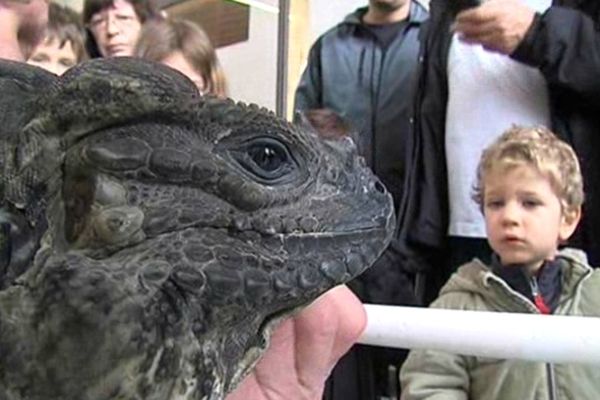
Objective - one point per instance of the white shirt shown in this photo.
(488, 93)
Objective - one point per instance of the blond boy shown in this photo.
(530, 190)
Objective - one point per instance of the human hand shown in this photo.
(304, 349)
(497, 25)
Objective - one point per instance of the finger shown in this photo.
(475, 16)
(352, 317)
(471, 31)
(274, 373)
(487, 11)
(316, 330)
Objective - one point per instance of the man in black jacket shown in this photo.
(562, 44)
(363, 70)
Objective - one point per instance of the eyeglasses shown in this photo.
(99, 22)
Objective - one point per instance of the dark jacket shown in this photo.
(349, 72)
(352, 73)
(564, 43)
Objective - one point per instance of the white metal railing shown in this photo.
(548, 338)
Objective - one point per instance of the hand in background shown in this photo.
(498, 25)
(304, 349)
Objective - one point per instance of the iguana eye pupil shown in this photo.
(267, 157)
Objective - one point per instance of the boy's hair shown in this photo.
(539, 148)
(64, 25)
(160, 38)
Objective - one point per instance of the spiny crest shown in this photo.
(230, 113)
(102, 93)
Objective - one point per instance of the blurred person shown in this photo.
(64, 44)
(363, 69)
(114, 25)
(184, 46)
(328, 124)
(22, 27)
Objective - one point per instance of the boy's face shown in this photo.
(52, 57)
(523, 216)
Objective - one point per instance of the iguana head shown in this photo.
(174, 230)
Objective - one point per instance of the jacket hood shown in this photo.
(477, 278)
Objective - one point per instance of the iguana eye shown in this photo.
(267, 159)
(267, 156)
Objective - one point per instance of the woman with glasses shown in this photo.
(114, 25)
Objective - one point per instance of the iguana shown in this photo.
(151, 237)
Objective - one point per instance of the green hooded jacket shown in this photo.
(435, 375)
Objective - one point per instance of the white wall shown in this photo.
(325, 14)
(251, 66)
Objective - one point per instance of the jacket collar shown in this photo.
(417, 14)
(475, 277)
(570, 266)
(548, 279)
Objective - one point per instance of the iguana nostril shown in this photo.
(379, 187)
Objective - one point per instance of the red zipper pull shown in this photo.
(538, 299)
(541, 305)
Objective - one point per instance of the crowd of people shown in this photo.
(111, 28)
(481, 123)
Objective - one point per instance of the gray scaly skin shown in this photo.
(151, 238)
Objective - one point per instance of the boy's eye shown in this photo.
(531, 203)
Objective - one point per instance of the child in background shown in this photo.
(530, 189)
(184, 46)
(64, 44)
